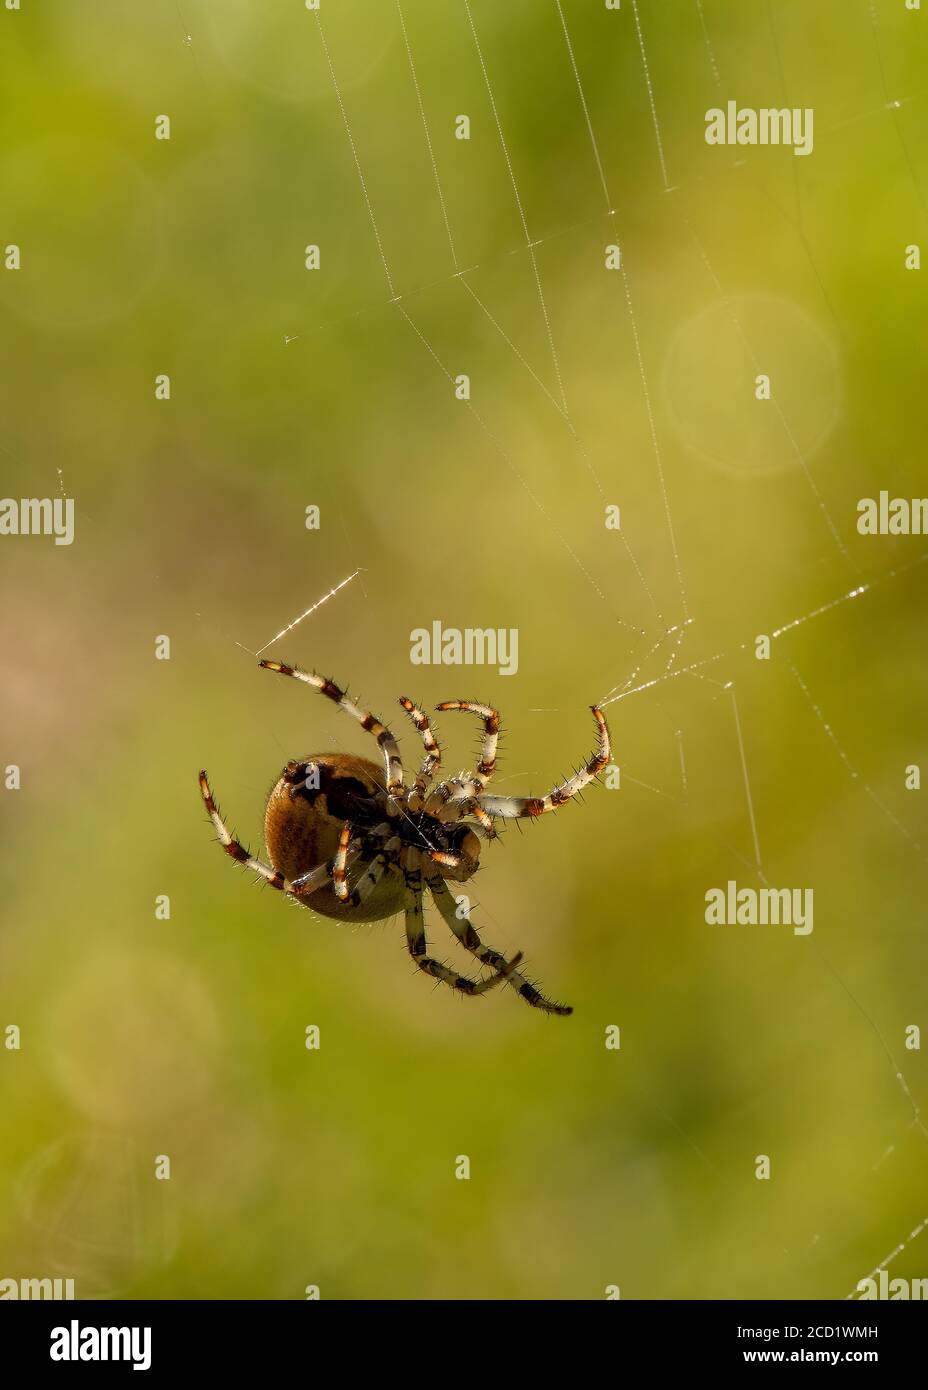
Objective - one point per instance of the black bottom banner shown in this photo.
(236, 1338)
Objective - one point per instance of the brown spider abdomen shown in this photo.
(303, 822)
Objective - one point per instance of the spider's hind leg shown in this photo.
(418, 946)
(388, 848)
(234, 847)
(466, 933)
(299, 887)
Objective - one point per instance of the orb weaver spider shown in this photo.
(332, 812)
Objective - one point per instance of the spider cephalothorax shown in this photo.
(332, 816)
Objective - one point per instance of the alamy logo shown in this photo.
(884, 1287)
(36, 1288)
(76, 1343)
(751, 907)
(470, 646)
(38, 516)
(892, 516)
(767, 125)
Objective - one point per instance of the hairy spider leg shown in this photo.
(432, 760)
(510, 807)
(466, 933)
(388, 745)
(299, 887)
(491, 722)
(385, 858)
(418, 946)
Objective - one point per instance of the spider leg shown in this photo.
(393, 765)
(441, 795)
(467, 787)
(385, 858)
(510, 807)
(490, 717)
(432, 760)
(340, 867)
(418, 946)
(459, 810)
(453, 801)
(297, 888)
(466, 933)
(307, 883)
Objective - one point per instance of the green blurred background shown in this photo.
(185, 1037)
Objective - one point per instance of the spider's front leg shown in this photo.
(491, 723)
(464, 790)
(432, 760)
(510, 807)
(455, 799)
(470, 806)
(466, 933)
(418, 946)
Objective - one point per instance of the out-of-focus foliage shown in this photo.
(185, 1037)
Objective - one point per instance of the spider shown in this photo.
(332, 812)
